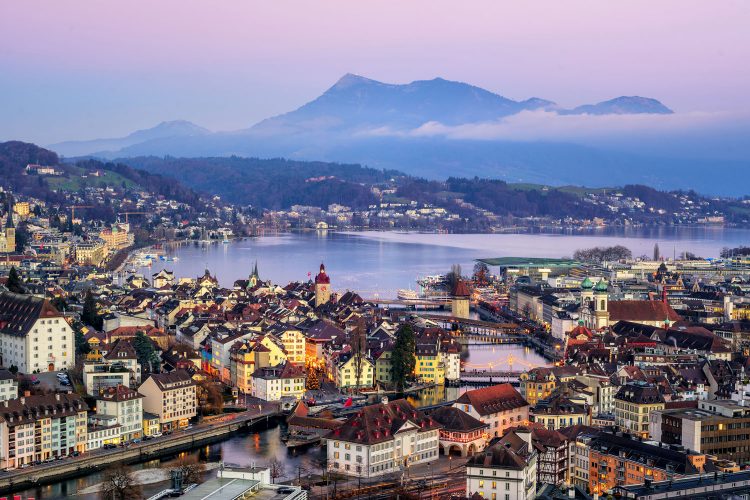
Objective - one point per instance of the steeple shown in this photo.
(9, 224)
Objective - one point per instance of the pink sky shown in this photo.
(82, 69)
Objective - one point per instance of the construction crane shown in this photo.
(131, 213)
(73, 210)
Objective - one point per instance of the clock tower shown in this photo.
(322, 287)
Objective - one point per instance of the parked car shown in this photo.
(157, 434)
(75, 454)
(24, 466)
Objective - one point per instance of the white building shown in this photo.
(382, 439)
(172, 396)
(274, 383)
(8, 386)
(126, 405)
(505, 471)
(34, 336)
(501, 406)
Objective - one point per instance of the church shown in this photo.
(8, 236)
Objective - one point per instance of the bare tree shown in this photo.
(192, 471)
(276, 469)
(359, 347)
(119, 484)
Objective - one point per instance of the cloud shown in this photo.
(550, 126)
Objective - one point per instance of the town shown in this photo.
(641, 388)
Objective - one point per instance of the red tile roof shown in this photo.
(494, 399)
(641, 310)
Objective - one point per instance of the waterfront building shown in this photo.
(382, 439)
(322, 287)
(171, 396)
(461, 434)
(100, 376)
(538, 383)
(633, 404)
(619, 460)
(500, 406)
(716, 427)
(280, 382)
(460, 300)
(505, 471)
(346, 374)
(383, 365)
(716, 485)
(116, 237)
(90, 253)
(34, 336)
(126, 406)
(162, 279)
(34, 428)
(8, 386)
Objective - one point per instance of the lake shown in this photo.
(380, 263)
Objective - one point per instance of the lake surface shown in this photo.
(380, 263)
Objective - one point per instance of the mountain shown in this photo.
(438, 128)
(622, 106)
(175, 128)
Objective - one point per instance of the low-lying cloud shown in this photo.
(550, 126)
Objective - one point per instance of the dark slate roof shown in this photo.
(119, 393)
(497, 398)
(511, 452)
(121, 349)
(639, 393)
(287, 370)
(18, 313)
(172, 380)
(25, 410)
(454, 420)
(378, 423)
(636, 450)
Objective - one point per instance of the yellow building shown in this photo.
(345, 373)
(429, 367)
(115, 237)
(633, 404)
(91, 253)
(294, 345)
(22, 208)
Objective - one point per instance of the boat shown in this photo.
(298, 439)
(405, 294)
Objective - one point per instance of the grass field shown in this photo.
(73, 180)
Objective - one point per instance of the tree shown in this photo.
(118, 484)
(656, 251)
(481, 273)
(15, 284)
(403, 359)
(313, 380)
(82, 347)
(602, 254)
(192, 472)
(90, 315)
(359, 348)
(210, 397)
(453, 276)
(276, 469)
(145, 350)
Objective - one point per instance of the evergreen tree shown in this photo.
(403, 359)
(145, 351)
(89, 315)
(656, 251)
(15, 284)
(82, 347)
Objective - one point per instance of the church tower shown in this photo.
(322, 287)
(460, 300)
(254, 278)
(10, 231)
(601, 311)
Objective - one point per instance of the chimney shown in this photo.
(27, 393)
(57, 396)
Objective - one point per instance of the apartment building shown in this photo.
(126, 406)
(383, 439)
(506, 470)
(633, 404)
(8, 386)
(34, 335)
(171, 396)
(500, 406)
(277, 382)
(716, 427)
(40, 427)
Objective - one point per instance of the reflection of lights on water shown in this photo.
(256, 441)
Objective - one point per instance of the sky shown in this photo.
(83, 70)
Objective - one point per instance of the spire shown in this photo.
(9, 224)
(255, 270)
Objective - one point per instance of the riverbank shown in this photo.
(87, 463)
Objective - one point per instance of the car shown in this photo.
(50, 459)
(24, 466)
(136, 440)
(62, 457)
(148, 438)
(9, 469)
(75, 454)
(157, 434)
(189, 427)
(36, 382)
(64, 382)
(109, 446)
(37, 462)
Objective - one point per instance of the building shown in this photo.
(633, 404)
(116, 237)
(8, 386)
(34, 428)
(538, 383)
(244, 484)
(277, 382)
(460, 300)
(322, 287)
(702, 487)
(98, 377)
(8, 236)
(293, 341)
(346, 374)
(461, 434)
(90, 253)
(126, 406)
(34, 336)
(618, 460)
(552, 460)
(171, 396)
(560, 411)
(506, 470)
(500, 406)
(383, 439)
(717, 428)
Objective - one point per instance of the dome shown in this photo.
(587, 283)
(601, 286)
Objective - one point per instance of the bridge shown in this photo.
(490, 377)
(426, 303)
